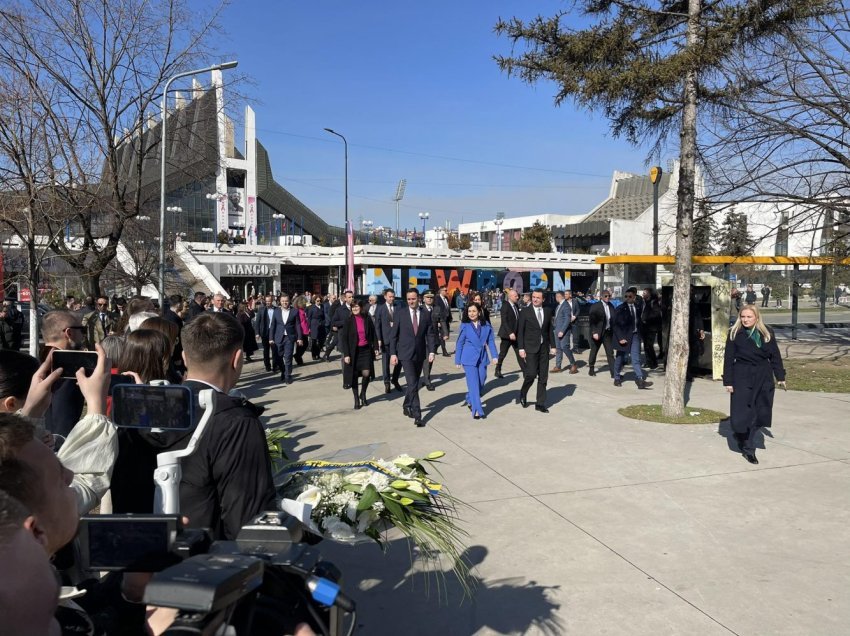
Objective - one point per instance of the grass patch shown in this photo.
(820, 376)
(652, 413)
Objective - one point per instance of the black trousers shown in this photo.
(330, 343)
(649, 336)
(536, 367)
(412, 371)
(504, 346)
(426, 371)
(385, 366)
(604, 341)
(269, 353)
(442, 329)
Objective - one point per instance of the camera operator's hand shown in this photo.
(136, 377)
(38, 397)
(96, 386)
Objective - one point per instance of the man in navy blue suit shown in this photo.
(285, 333)
(262, 324)
(411, 342)
(384, 316)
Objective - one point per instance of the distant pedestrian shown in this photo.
(627, 339)
(765, 296)
(750, 296)
(752, 360)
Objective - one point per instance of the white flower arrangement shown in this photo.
(358, 501)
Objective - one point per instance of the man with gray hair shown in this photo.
(217, 304)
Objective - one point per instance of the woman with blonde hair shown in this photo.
(752, 361)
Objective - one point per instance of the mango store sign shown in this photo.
(247, 270)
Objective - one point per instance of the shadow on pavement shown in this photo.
(409, 599)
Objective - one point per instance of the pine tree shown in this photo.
(537, 238)
(647, 66)
(734, 237)
(705, 229)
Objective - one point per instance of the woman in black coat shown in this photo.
(358, 343)
(316, 316)
(751, 363)
(246, 319)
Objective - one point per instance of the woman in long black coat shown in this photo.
(246, 319)
(358, 343)
(751, 363)
(316, 316)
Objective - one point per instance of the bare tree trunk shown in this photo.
(678, 349)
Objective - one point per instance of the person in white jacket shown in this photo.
(92, 446)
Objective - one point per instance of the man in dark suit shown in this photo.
(627, 339)
(262, 324)
(431, 308)
(534, 334)
(509, 314)
(412, 341)
(285, 333)
(383, 328)
(601, 322)
(196, 308)
(442, 314)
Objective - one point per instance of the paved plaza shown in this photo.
(585, 522)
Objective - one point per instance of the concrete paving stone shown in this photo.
(758, 549)
(761, 552)
(544, 578)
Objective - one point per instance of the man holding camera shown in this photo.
(227, 481)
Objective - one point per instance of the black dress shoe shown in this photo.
(387, 387)
(498, 374)
(643, 384)
(346, 386)
(476, 417)
(750, 457)
(418, 422)
(289, 380)
(541, 409)
(617, 382)
(522, 401)
(268, 369)
(591, 372)
(430, 387)
(405, 412)
(397, 387)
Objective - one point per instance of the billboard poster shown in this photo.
(251, 223)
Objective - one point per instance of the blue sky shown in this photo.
(414, 88)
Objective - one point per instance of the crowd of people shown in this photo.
(62, 457)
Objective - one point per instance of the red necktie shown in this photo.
(415, 322)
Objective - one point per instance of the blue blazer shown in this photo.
(471, 347)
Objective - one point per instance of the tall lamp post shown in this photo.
(348, 273)
(655, 176)
(399, 195)
(214, 67)
(498, 223)
(368, 225)
(424, 216)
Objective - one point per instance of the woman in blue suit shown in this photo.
(471, 352)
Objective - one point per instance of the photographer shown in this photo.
(227, 480)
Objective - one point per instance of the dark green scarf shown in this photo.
(755, 334)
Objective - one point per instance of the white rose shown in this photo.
(311, 496)
(359, 478)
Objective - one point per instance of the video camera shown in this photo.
(267, 581)
(264, 582)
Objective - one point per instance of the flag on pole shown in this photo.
(349, 265)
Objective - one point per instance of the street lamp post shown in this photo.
(214, 67)
(348, 274)
(498, 223)
(368, 225)
(399, 195)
